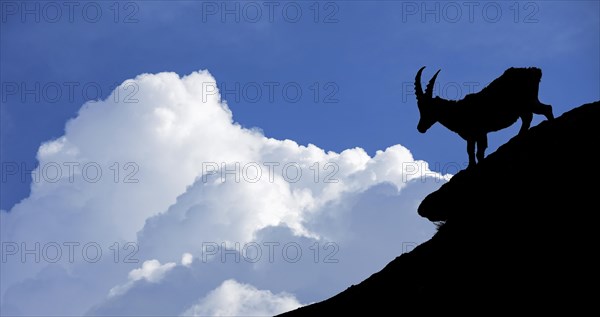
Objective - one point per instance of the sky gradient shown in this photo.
(358, 62)
(296, 80)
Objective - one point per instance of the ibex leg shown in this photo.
(471, 152)
(482, 144)
(543, 109)
(526, 122)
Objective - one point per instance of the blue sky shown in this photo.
(354, 63)
(367, 54)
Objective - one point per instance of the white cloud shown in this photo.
(163, 145)
(187, 259)
(235, 299)
(151, 271)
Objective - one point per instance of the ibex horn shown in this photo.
(429, 89)
(418, 89)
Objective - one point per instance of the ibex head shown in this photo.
(425, 102)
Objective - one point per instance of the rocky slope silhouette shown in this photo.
(518, 233)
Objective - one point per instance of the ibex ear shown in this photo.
(429, 89)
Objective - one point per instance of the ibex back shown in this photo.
(509, 97)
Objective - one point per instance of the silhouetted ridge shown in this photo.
(547, 151)
(518, 233)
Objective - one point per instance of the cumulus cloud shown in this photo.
(151, 271)
(235, 299)
(161, 179)
(187, 259)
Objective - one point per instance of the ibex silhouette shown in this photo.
(511, 96)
